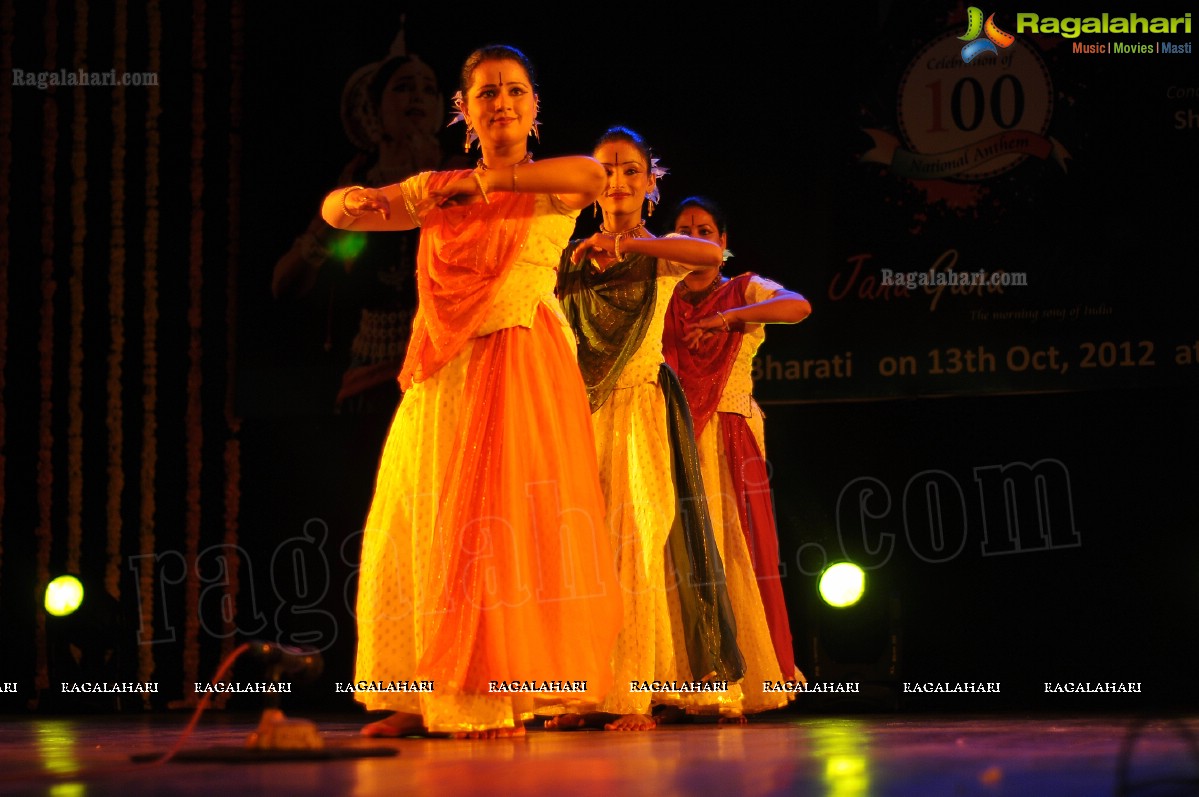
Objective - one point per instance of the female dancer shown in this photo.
(614, 287)
(714, 327)
(485, 559)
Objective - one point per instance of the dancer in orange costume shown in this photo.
(485, 559)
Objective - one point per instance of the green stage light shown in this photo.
(347, 247)
(63, 596)
(842, 584)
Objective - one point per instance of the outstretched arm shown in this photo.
(576, 179)
(355, 207)
(690, 253)
(783, 307)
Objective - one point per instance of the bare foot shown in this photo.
(632, 722)
(490, 733)
(575, 722)
(396, 725)
(670, 715)
(565, 722)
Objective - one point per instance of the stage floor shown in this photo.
(845, 756)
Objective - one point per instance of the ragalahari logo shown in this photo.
(994, 41)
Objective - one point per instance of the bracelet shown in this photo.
(724, 321)
(409, 205)
(616, 245)
(514, 177)
(345, 194)
(482, 189)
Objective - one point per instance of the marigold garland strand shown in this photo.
(116, 310)
(232, 422)
(75, 289)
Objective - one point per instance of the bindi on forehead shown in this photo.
(616, 161)
(515, 79)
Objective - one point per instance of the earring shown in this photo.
(651, 208)
(469, 132)
(534, 132)
(594, 209)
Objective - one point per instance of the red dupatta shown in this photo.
(465, 250)
(704, 371)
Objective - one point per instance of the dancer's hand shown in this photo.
(597, 244)
(464, 190)
(701, 328)
(360, 201)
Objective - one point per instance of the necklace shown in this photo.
(528, 158)
(698, 295)
(629, 233)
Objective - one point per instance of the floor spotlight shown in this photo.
(842, 584)
(854, 638)
(63, 596)
(83, 640)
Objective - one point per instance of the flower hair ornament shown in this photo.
(657, 172)
(459, 115)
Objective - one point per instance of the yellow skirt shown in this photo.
(485, 558)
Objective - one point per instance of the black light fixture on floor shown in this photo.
(854, 639)
(83, 639)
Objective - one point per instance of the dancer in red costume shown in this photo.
(714, 326)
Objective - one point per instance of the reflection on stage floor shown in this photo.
(789, 753)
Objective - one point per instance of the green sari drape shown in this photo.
(610, 312)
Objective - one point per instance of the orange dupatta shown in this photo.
(465, 251)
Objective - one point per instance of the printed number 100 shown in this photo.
(1007, 106)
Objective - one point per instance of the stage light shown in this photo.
(63, 595)
(84, 637)
(348, 246)
(854, 637)
(842, 584)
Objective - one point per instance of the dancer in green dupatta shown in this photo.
(678, 631)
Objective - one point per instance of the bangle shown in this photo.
(616, 245)
(409, 205)
(514, 177)
(724, 321)
(345, 194)
(482, 188)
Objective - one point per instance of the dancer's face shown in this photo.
(629, 178)
(698, 223)
(500, 103)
